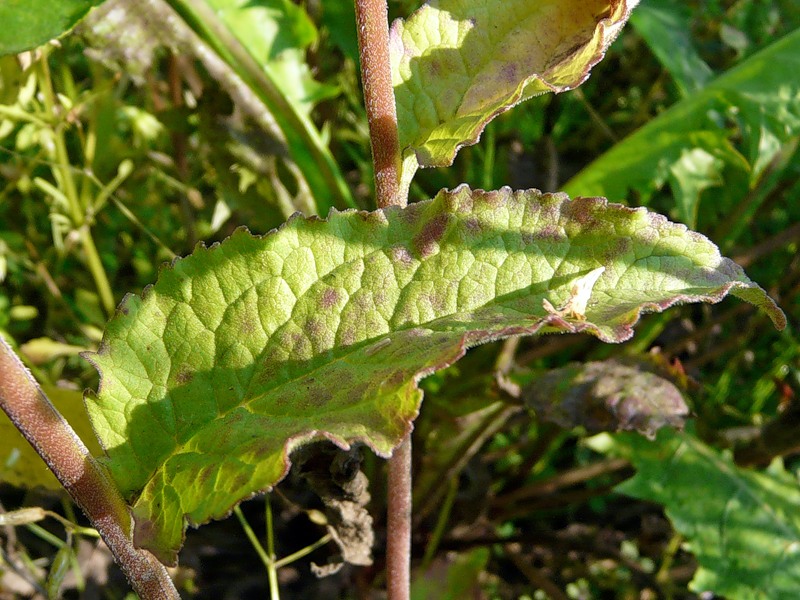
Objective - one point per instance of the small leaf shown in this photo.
(41, 350)
(31, 23)
(695, 171)
(607, 396)
(743, 526)
(58, 571)
(457, 64)
(322, 329)
(22, 516)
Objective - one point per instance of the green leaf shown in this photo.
(763, 93)
(694, 171)
(277, 34)
(31, 23)
(665, 26)
(20, 465)
(322, 329)
(743, 526)
(456, 64)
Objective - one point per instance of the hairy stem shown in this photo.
(376, 76)
(372, 22)
(398, 544)
(86, 482)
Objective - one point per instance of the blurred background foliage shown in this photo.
(160, 124)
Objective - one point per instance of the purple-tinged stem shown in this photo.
(372, 21)
(84, 479)
(398, 527)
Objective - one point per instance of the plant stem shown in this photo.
(565, 479)
(274, 590)
(266, 559)
(63, 174)
(376, 75)
(372, 23)
(84, 479)
(287, 560)
(441, 524)
(398, 526)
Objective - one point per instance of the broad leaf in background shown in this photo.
(666, 26)
(322, 329)
(607, 396)
(743, 526)
(20, 465)
(456, 64)
(277, 33)
(27, 24)
(692, 141)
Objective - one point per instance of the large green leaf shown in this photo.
(692, 141)
(246, 350)
(27, 24)
(743, 526)
(456, 64)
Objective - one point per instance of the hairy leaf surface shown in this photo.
(743, 526)
(27, 24)
(322, 329)
(456, 64)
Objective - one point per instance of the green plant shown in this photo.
(247, 350)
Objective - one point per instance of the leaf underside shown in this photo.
(456, 64)
(322, 329)
(609, 395)
(743, 526)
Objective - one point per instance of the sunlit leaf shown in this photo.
(322, 329)
(695, 171)
(456, 64)
(277, 33)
